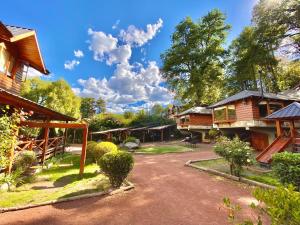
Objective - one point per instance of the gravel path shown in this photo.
(166, 193)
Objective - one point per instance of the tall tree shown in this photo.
(100, 105)
(57, 95)
(89, 107)
(157, 110)
(278, 25)
(193, 65)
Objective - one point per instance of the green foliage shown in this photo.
(195, 60)
(8, 129)
(128, 115)
(116, 165)
(130, 139)
(236, 152)
(288, 74)
(143, 119)
(105, 122)
(24, 160)
(286, 167)
(96, 150)
(158, 110)
(56, 95)
(89, 107)
(281, 204)
(214, 133)
(12, 179)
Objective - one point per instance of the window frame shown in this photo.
(227, 117)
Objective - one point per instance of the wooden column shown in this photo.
(162, 135)
(292, 129)
(46, 138)
(65, 139)
(144, 133)
(83, 151)
(278, 127)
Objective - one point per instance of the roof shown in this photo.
(161, 127)
(196, 110)
(289, 112)
(15, 31)
(40, 112)
(246, 94)
(110, 130)
(26, 42)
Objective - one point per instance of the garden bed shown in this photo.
(164, 149)
(61, 181)
(254, 173)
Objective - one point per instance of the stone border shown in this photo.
(225, 175)
(128, 187)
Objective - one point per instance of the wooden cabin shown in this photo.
(195, 121)
(19, 50)
(244, 114)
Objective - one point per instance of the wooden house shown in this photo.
(195, 121)
(244, 114)
(19, 50)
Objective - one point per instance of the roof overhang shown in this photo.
(39, 112)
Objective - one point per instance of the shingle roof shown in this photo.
(291, 111)
(196, 110)
(247, 94)
(15, 31)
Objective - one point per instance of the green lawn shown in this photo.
(222, 166)
(59, 181)
(164, 149)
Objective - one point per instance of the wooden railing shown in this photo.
(54, 145)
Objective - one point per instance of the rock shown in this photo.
(131, 145)
(4, 187)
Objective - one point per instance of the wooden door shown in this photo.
(259, 141)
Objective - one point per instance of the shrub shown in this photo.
(286, 166)
(214, 133)
(236, 152)
(24, 160)
(116, 165)
(97, 150)
(282, 205)
(130, 139)
(90, 149)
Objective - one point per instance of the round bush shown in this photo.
(97, 150)
(130, 139)
(90, 149)
(116, 165)
(24, 160)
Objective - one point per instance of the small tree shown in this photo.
(238, 153)
(116, 165)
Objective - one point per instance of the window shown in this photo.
(267, 108)
(6, 60)
(225, 113)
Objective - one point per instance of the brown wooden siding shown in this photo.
(9, 84)
(198, 119)
(244, 110)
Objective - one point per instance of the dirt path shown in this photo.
(166, 192)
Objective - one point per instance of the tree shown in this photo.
(56, 95)
(193, 65)
(277, 24)
(128, 115)
(89, 107)
(247, 58)
(288, 74)
(157, 110)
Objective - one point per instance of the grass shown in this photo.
(59, 181)
(223, 166)
(164, 149)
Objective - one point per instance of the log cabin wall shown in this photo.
(12, 82)
(245, 110)
(200, 119)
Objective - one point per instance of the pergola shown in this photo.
(290, 113)
(161, 129)
(121, 132)
(45, 118)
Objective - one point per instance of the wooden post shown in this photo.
(46, 138)
(144, 133)
(292, 129)
(83, 151)
(162, 135)
(278, 127)
(65, 139)
(74, 133)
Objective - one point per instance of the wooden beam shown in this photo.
(52, 125)
(292, 129)
(278, 127)
(83, 151)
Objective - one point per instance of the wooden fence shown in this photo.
(42, 149)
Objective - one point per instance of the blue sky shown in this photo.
(121, 42)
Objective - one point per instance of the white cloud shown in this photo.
(128, 85)
(139, 37)
(78, 53)
(115, 26)
(101, 43)
(70, 65)
(33, 73)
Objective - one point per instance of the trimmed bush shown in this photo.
(24, 160)
(116, 165)
(286, 166)
(238, 153)
(90, 150)
(97, 150)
